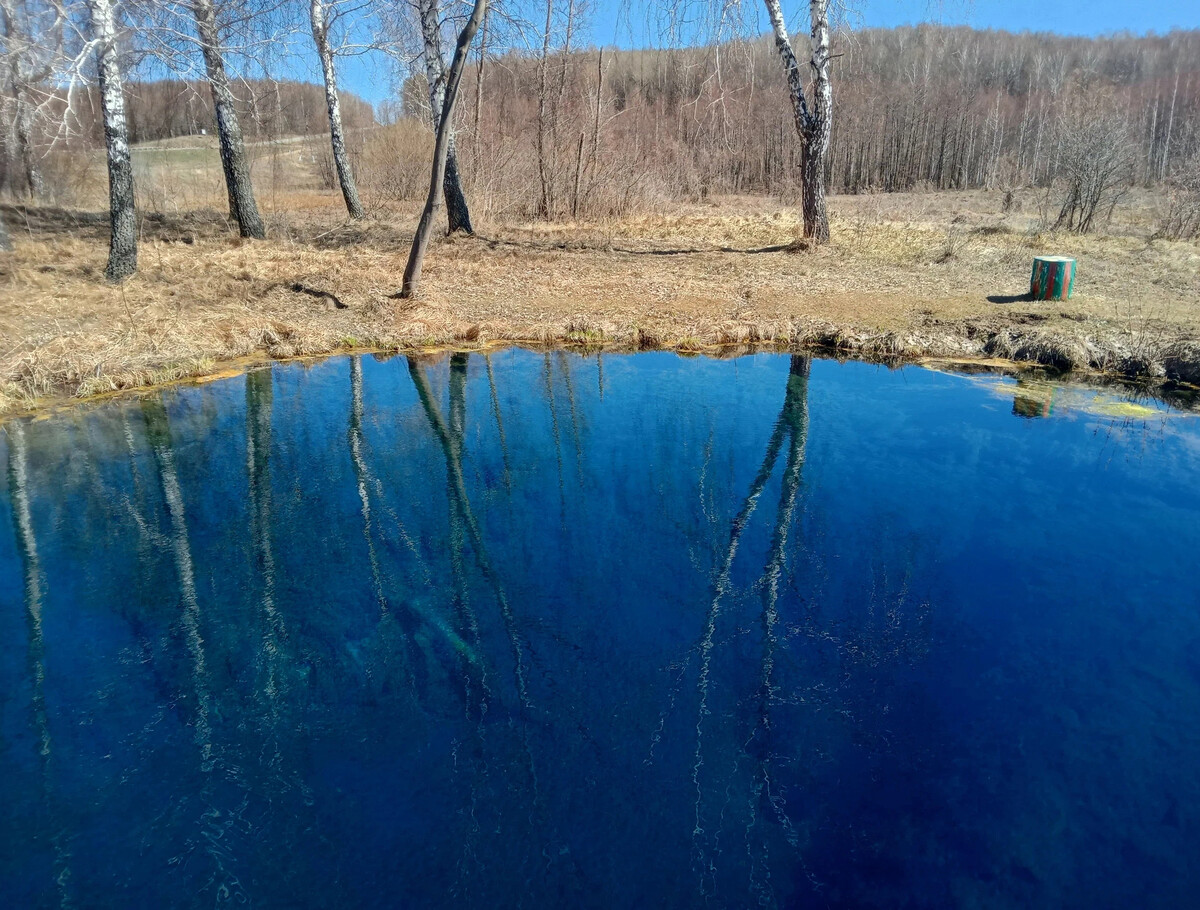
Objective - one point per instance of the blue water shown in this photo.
(634, 631)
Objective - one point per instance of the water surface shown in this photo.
(546, 630)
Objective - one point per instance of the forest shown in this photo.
(553, 128)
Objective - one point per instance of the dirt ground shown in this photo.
(906, 275)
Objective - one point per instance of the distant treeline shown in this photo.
(914, 107)
(164, 109)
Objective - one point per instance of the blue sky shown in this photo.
(1075, 17)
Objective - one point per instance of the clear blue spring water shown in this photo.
(545, 630)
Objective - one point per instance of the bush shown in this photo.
(1096, 168)
(1181, 221)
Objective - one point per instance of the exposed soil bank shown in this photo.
(694, 280)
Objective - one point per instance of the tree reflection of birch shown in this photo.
(487, 359)
(461, 503)
(450, 435)
(215, 822)
(548, 379)
(791, 425)
(354, 437)
(34, 589)
(259, 400)
(794, 418)
(475, 691)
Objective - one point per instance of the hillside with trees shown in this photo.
(922, 108)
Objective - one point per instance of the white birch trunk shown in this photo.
(122, 250)
(320, 30)
(813, 123)
(242, 207)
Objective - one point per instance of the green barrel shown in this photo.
(1053, 278)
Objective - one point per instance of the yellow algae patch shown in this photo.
(1123, 409)
(213, 377)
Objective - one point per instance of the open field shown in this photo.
(907, 275)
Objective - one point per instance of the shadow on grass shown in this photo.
(1011, 298)
(52, 221)
(580, 247)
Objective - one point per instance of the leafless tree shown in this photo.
(322, 15)
(543, 126)
(457, 212)
(416, 257)
(1096, 164)
(122, 250)
(31, 47)
(242, 206)
(813, 118)
(1182, 219)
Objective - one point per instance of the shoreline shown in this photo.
(1183, 396)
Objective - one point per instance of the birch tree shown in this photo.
(813, 117)
(416, 256)
(321, 17)
(122, 250)
(31, 42)
(457, 213)
(242, 207)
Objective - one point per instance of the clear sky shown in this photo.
(1074, 17)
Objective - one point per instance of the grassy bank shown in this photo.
(905, 276)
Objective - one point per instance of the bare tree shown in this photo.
(321, 16)
(242, 207)
(31, 40)
(543, 125)
(1182, 218)
(457, 213)
(122, 249)
(1096, 164)
(416, 257)
(813, 120)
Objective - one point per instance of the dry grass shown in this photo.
(905, 276)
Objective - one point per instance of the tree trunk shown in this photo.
(341, 161)
(816, 214)
(596, 117)
(457, 212)
(35, 185)
(242, 207)
(441, 147)
(122, 250)
(483, 36)
(458, 215)
(5, 242)
(816, 145)
(813, 125)
(22, 50)
(544, 202)
(1166, 155)
(158, 434)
